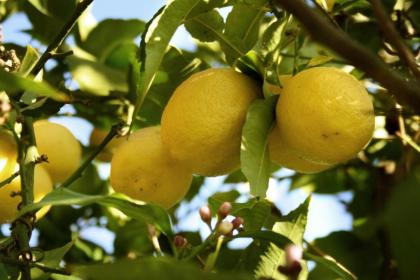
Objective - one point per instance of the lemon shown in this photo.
(8, 206)
(202, 123)
(283, 155)
(96, 138)
(8, 155)
(61, 147)
(142, 169)
(325, 114)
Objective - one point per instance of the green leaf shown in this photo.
(327, 182)
(96, 78)
(3, 272)
(51, 259)
(150, 268)
(243, 28)
(256, 216)
(204, 27)
(149, 213)
(255, 162)
(155, 42)
(403, 223)
(133, 237)
(39, 6)
(111, 32)
(319, 60)
(13, 83)
(28, 62)
(363, 257)
(293, 227)
(281, 241)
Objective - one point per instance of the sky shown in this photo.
(326, 213)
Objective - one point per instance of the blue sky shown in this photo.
(327, 213)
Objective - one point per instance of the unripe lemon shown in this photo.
(325, 114)
(8, 206)
(61, 147)
(96, 139)
(142, 169)
(283, 155)
(202, 123)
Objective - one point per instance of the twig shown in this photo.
(406, 92)
(79, 172)
(59, 39)
(10, 179)
(389, 31)
(326, 13)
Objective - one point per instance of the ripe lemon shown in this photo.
(96, 138)
(202, 123)
(63, 150)
(283, 155)
(8, 155)
(8, 206)
(142, 169)
(325, 114)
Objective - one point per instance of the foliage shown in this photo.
(111, 81)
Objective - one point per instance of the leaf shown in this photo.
(96, 78)
(214, 24)
(281, 241)
(403, 223)
(131, 238)
(28, 62)
(363, 257)
(155, 42)
(318, 60)
(51, 259)
(3, 272)
(256, 216)
(242, 28)
(255, 162)
(13, 83)
(293, 227)
(150, 269)
(270, 46)
(149, 213)
(99, 42)
(39, 6)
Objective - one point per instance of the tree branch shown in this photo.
(406, 92)
(59, 39)
(79, 172)
(392, 35)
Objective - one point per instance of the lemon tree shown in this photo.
(275, 121)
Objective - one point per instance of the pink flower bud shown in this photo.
(224, 210)
(205, 214)
(293, 254)
(180, 241)
(237, 222)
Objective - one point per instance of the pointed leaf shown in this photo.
(29, 60)
(155, 40)
(145, 212)
(255, 162)
(207, 32)
(293, 227)
(243, 26)
(13, 83)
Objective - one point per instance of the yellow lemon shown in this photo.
(96, 138)
(325, 114)
(8, 155)
(8, 206)
(142, 169)
(202, 123)
(283, 155)
(62, 148)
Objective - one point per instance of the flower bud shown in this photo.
(205, 214)
(225, 228)
(293, 254)
(180, 241)
(237, 222)
(224, 210)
